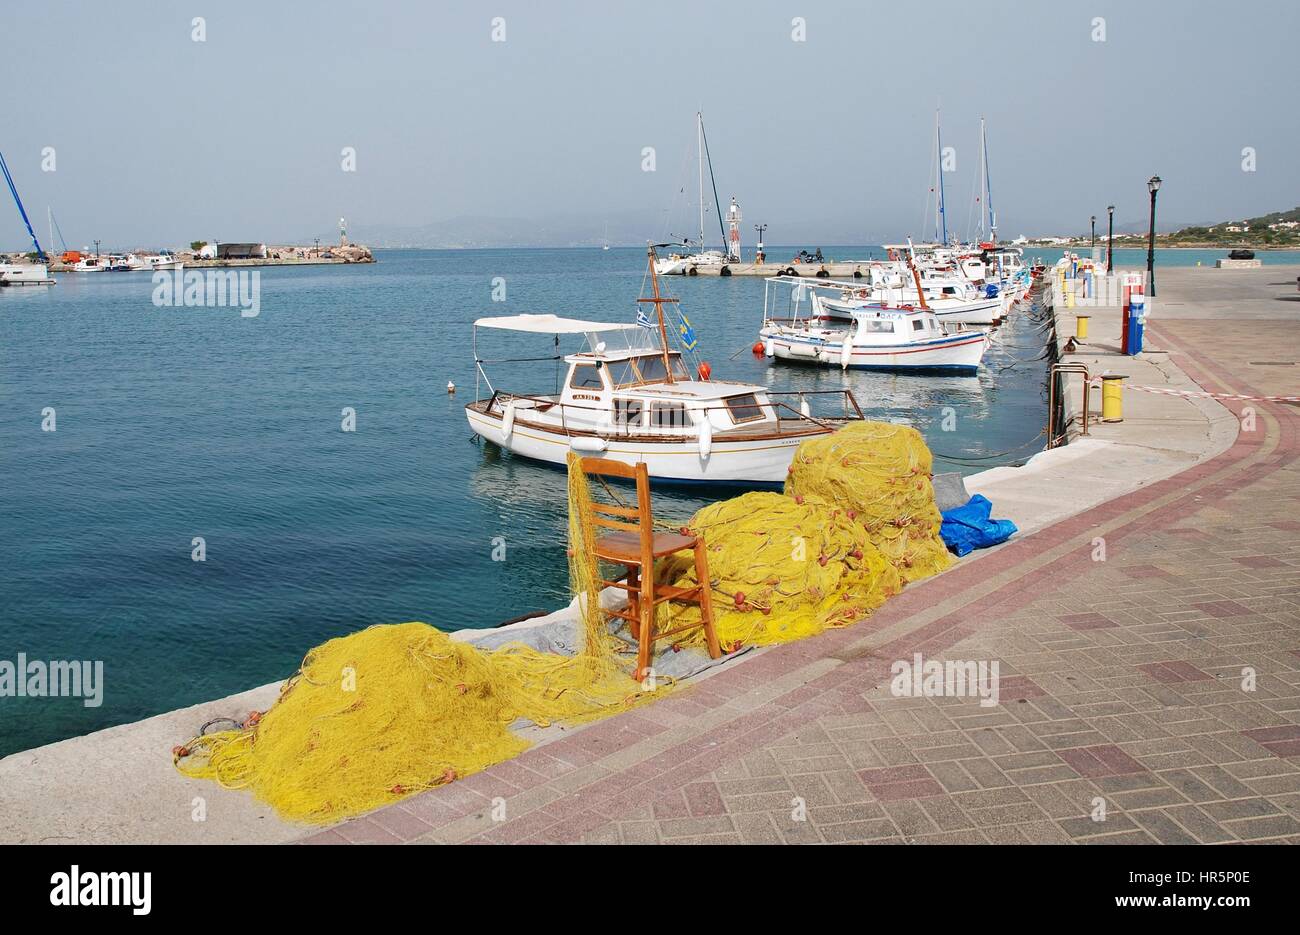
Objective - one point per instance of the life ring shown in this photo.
(704, 371)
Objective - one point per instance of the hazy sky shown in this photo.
(160, 139)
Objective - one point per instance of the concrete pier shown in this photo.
(1157, 561)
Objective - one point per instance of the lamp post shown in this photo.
(1110, 239)
(1093, 219)
(1153, 186)
(97, 249)
(759, 256)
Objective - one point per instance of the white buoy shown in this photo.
(769, 349)
(846, 353)
(451, 388)
(706, 437)
(804, 409)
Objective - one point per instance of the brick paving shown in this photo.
(1149, 698)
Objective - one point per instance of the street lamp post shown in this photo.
(1153, 186)
(97, 249)
(759, 256)
(1110, 239)
(1093, 219)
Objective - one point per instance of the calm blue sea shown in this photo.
(174, 423)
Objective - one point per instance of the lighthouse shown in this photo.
(733, 232)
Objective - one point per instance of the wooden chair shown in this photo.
(635, 545)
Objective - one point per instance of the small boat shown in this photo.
(163, 261)
(867, 336)
(884, 339)
(631, 397)
(90, 264)
(25, 274)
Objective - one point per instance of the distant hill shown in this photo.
(1277, 229)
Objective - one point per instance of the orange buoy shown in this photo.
(757, 348)
(704, 371)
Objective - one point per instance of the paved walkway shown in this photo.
(1127, 711)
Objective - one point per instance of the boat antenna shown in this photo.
(717, 205)
(658, 302)
(13, 190)
(943, 213)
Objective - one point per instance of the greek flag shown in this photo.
(644, 320)
(686, 331)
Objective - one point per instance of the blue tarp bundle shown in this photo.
(968, 527)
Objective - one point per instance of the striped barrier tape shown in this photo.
(1165, 391)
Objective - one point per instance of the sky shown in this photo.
(159, 139)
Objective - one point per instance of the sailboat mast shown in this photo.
(699, 149)
(13, 190)
(943, 214)
(988, 190)
(659, 301)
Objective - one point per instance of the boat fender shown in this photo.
(704, 371)
(587, 443)
(706, 437)
(769, 349)
(846, 353)
(508, 421)
(804, 409)
(725, 271)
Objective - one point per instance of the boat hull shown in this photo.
(758, 460)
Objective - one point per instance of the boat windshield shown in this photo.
(628, 339)
(646, 369)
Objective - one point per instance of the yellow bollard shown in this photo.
(1112, 397)
(1069, 299)
(1081, 327)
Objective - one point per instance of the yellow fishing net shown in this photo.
(782, 570)
(391, 710)
(879, 474)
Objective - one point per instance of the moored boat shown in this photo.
(631, 397)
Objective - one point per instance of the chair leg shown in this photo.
(646, 638)
(706, 599)
(634, 599)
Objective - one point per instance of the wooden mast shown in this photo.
(658, 302)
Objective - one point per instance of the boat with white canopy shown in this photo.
(631, 397)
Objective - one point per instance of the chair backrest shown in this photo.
(637, 517)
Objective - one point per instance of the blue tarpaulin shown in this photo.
(969, 527)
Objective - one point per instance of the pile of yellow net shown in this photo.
(391, 710)
(374, 716)
(783, 570)
(879, 473)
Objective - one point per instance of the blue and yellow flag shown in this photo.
(686, 331)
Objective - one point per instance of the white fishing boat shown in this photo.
(25, 274)
(906, 340)
(632, 398)
(163, 261)
(90, 264)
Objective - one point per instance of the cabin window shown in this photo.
(877, 326)
(627, 413)
(917, 324)
(668, 416)
(586, 377)
(744, 408)
(679, 368)
(652, 369)
(622, 373)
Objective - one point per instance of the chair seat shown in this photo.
(625, 547)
